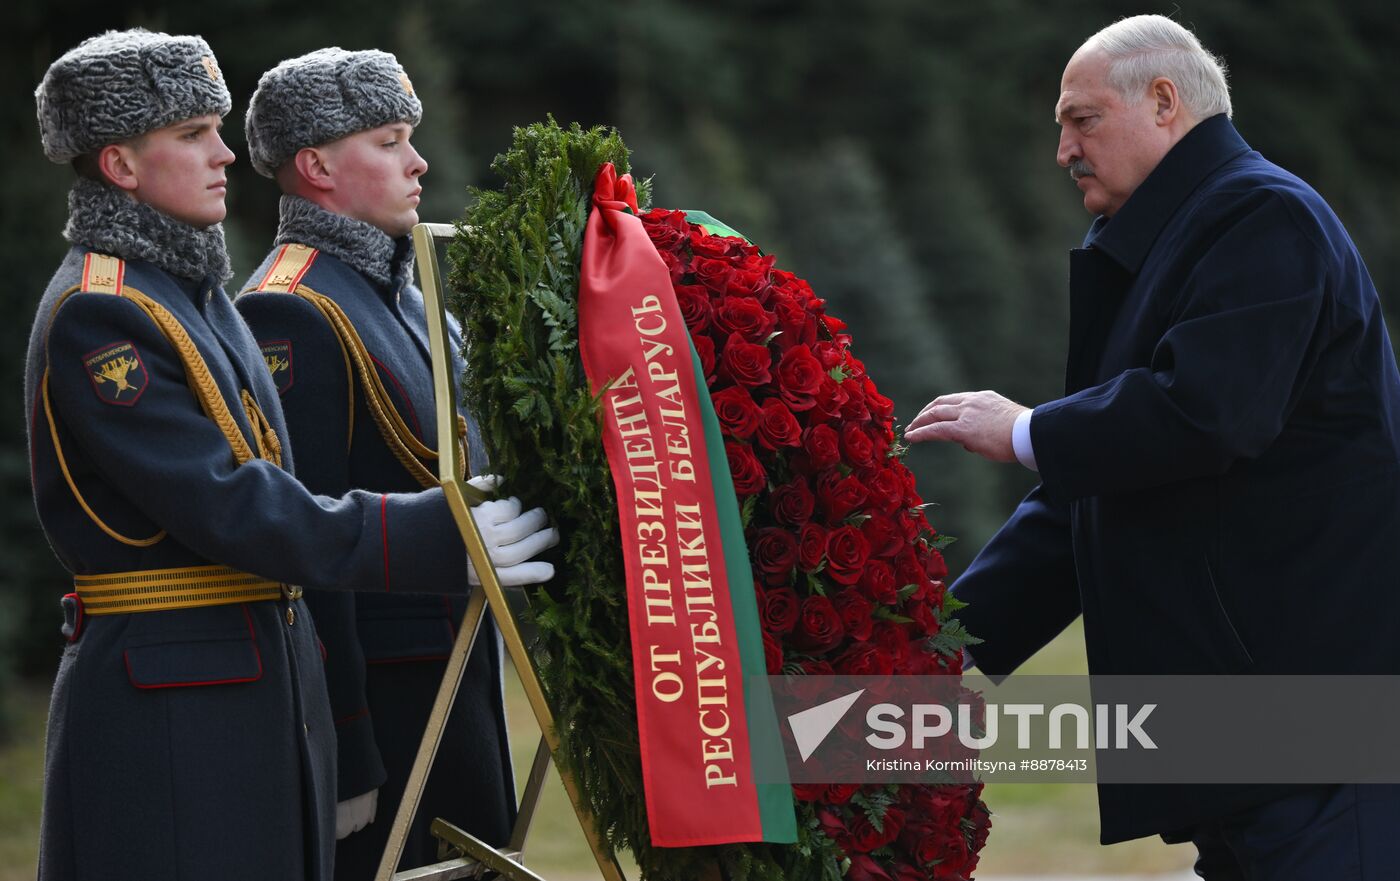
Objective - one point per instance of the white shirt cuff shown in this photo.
(1021, 440)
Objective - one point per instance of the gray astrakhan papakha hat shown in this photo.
(122, 84)
(323, 96)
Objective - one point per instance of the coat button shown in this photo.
(291, 616)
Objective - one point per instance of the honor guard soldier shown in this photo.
(190, 732)
(344, 334)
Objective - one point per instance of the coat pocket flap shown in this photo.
(197, 659)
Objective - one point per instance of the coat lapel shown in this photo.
(1097, 286)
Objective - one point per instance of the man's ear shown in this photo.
(1164, 95)
(313, 167)
(118, 164)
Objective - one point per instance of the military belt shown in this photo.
(188, 587)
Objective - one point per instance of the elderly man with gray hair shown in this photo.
(1227, 448)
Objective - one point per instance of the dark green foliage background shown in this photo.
(899, 154)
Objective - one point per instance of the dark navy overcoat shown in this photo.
(384, 653)
(1221, 482)
(195, 743)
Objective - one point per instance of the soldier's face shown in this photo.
(375, 175)
(179, 170)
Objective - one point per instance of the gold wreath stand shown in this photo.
(463, 854)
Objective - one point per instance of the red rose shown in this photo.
(911, 493)
(738, 414)
(856, 448)
(855, 611)
(830, 398)
(881, 437)
(840, 793)
(941, 806)
(752, 260)
(864, 659)
(877, 581)
(792, 503)
(924, 615)
(938, 837)
(772, 655)
(799, 326)
(829, 354)
(863, 868)
(778, 608)
(846, 554)
(706, 245)
(745, 363)
(794, 286)
(893, 639)
(834, 326)
(819, 626)
(745, 469)
(864, 838)
(713, 274)
(885, 488)
(675, 265)
(908, 569)
(745, 317)
(750, 283)
(823, 447)
(811, 547)
(816, 667)
(673, 218)
(932, 592)
(664, 237)
(839, 496)
(832, 825)
(935, 565)
(694, 300)
(906, 872)
(952, 849)
(778, 427)
(809, 791)
(881, 407)
(774, 554)
(854, 410)
(884, 537)
(982, 824)
(799, 378)
(705, 349)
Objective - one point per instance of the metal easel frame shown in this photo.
(469, 856)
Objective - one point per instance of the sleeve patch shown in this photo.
(278, 355)
(117, 373)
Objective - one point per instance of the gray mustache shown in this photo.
(1079, 168)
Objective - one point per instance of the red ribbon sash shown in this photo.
(690, 702)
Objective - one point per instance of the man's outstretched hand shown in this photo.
(980, 421)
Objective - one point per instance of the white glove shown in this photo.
(513, 539)
(487, 483)
(356, 813)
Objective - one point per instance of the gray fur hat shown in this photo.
(122, 84)
(323, 96)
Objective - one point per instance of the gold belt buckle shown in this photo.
(291, 593)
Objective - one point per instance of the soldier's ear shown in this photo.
(117, 164)
(313, 169)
